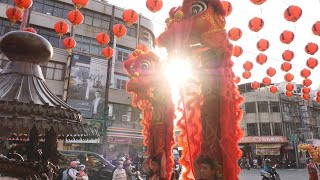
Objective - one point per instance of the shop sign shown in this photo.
(119, 140)
(264, 139)
(268, 151)
(268, 146)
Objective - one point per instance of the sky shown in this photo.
(272, 12)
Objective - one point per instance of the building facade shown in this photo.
(89, 69)
(274, 124)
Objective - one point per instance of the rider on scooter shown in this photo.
(267, 167)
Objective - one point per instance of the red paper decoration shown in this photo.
(273, 89)
(256, 24)
(305, 73)
(271, 71)
(234, 34)
(289, 87)
(258, 2)
(102, 38)
(14, 14)
(23, 4)
(248, 65)
(75, 17)
(130, 16)
(286, 37)
(255, 85)
(227, 6)
(119, 30)
(307, 82)
(288, 77)
(154, 5)
(287, 55)
(316, 28)
(107, 52)
(266, 81)
(312, 63)
(237, 51)
(237, 79)
(289, 93)
(246, 74)
(306, 90)
(142, 48)
(311, 48)
(30, 29)
(261, 59)
(263, 45)
(305, 96)
(286, 67)
(80, 3)
(292, 13)
(69, 43)
(61, 28)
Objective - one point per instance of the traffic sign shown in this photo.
(293, 138)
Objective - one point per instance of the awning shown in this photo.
(124, 132)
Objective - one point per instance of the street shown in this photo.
(286, 174)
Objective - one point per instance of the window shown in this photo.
(285, 108)
(263, 106)
(54, 71)
(121, 84)
(5, 26)
(274, 106)
(277, 129)
(120, 81)
(10, 2)
(122, 54)
(121, 112)
(252, 129)
(250, 107)
(265, 129)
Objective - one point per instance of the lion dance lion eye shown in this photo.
(145, 65)
(198, 7)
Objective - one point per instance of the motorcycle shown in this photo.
(270, 176)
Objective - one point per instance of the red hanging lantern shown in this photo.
(130, 16)
(107, 52)
(246, 74)
(316, 28)
(69, 43)
(307, 82)
(227, 6)
(306, 90)
(312, 63)
(255, 85)
(237, 51)
(258, 2)
(75, 17)
(119, 30)
(142, 48)
(271, 71)
(61, 28)
(293, 13)
(305, 96)
(286, 66)
(154, 5)
(237, 80)
(30, 29)
(263, 45)
(248, 65)
(305, 73)
(14, 14)
(23, 4)
(288, 77)
(287, 55)
(286, 37)
(311, 48)
(261, 59)
(102, 38)
(289, 87)
(273, 89)
(234, 34)
(80, 3)
(318, 99)
(266, 81)
(256, 24)
(289, 93)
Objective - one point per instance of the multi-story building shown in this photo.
(271, 122)
(89, 68)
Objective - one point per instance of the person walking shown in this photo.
(119, 173)
(255, 163)
(312, 170)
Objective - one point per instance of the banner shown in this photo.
(87, 86)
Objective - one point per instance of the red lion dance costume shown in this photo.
(210, 126)
(151, 94)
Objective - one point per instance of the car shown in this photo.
(97, 167)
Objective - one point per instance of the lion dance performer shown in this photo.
(151, 94)
(197, 29)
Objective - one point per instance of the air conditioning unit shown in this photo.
(126, 118)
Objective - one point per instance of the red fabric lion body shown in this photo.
(197, 29)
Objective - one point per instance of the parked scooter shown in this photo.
(270, 176)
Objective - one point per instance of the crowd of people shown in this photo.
(75, 172)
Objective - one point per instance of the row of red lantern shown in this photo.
(14, 14)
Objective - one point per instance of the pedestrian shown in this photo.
(128, 169)
(255, 163)
(119, 173)
(312, 170)
(71, 173)
(82, 172)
